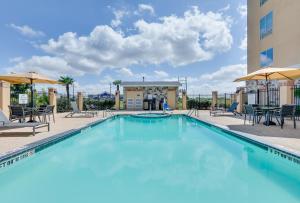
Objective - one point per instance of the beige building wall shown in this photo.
(285, 37)
(4, 97)
(172, 98)
(133, 94)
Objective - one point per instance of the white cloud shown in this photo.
(125, 72)
(27, 31)
(119, 15)
(242, 10)
(243, 44)
(178, 41)
(16, 59)
(220, 80)
(161, 74)
(145, 8)
(47, 65)
(226, 8)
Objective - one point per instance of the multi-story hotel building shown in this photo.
(273, 34)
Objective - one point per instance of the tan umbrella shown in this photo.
(27, 78)
(271, 73)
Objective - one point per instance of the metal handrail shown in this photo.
(191, 111)
(108, 112)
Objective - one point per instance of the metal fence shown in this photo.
(204, 101)
(296, 98)
(260, 97)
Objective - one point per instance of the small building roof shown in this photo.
(151, 84)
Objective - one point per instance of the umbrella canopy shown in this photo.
(27, 78)
(271, 73)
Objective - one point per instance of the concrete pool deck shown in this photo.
(288, 137)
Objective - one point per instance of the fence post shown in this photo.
(241, 100)
(184, 100)
(52, 98)
(214, 98)
(80, 100)
(285, 92)
(4, 97)
(225, 101)
(199, 102)
(117, 100)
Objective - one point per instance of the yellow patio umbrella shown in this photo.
(271, 73)
(27, 78)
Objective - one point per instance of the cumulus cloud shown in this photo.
(176, 40)
(27, 31)
(161, 74)
(125, 72)
(243, 44)
(119, 15)
(145, 8)
(220, 80)
(242, 10)
(54, 66)
(226, 8)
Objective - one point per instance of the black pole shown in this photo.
(31, 88)
(268, 99)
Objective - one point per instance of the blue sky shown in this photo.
(97, 42)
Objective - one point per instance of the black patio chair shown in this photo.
(253, 113)
(17, 112)
(46, 111)
(286, 111)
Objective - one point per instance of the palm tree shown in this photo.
(117, 83)
(67, 81)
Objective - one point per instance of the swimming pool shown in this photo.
(174, 159)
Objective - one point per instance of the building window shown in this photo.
(266, 25)
(262, 2)
(266, 57)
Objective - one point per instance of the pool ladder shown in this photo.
(108, 113)
(192, 111)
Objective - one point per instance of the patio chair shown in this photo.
(166, 107)
(286, 111)
(254, 114)
(232, 109)
(5, 124)
(75, 110)
(46, 111)
(91, 108)
(17, 112)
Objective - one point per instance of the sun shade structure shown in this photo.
(28, 78)
(271, 73)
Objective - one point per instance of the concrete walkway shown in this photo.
(288, 137)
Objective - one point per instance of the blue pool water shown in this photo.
(170, 160)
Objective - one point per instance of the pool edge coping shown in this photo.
(249, 136)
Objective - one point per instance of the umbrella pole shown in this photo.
(31, 89)
(267, 86)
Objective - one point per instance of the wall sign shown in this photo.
(23, 99)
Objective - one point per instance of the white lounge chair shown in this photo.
(75, 110)
(5, 124)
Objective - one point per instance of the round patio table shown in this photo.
(267, 111)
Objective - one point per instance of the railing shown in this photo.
(192, 111)
(259, 97)
(108, 113)
(296, 99)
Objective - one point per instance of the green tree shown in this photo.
(117, 83)
(67, 81)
